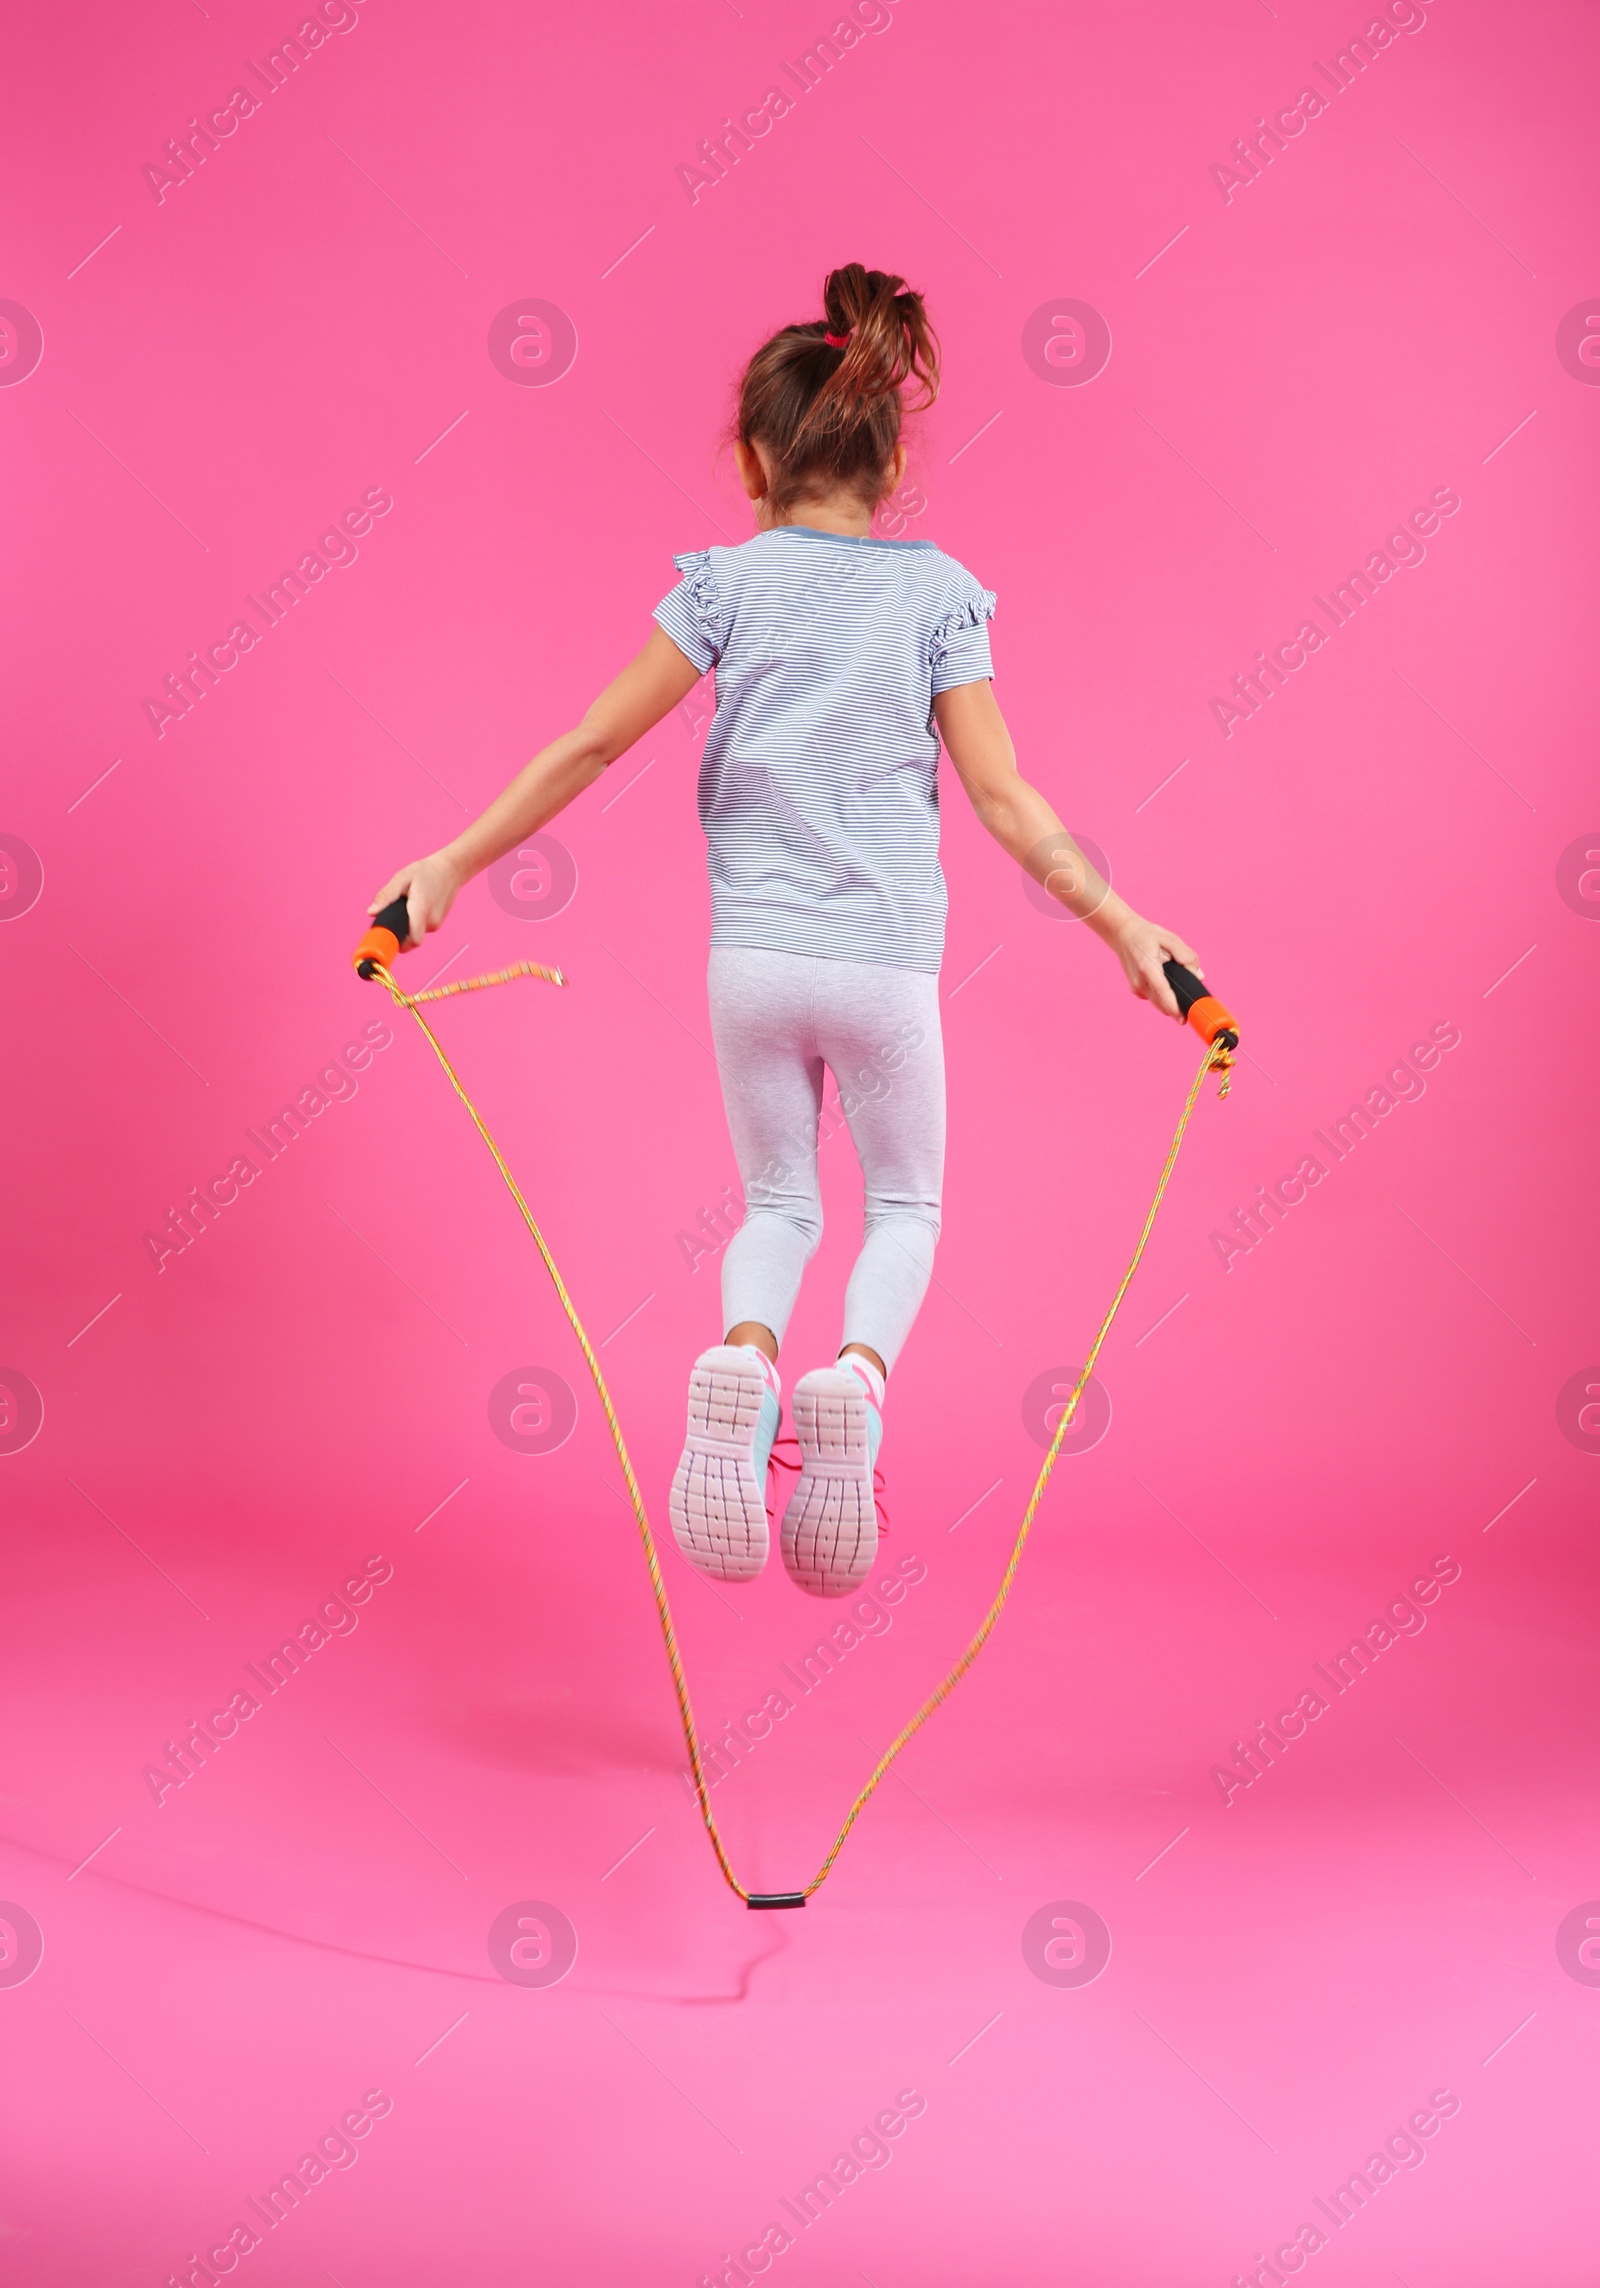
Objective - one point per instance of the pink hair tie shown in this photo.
(836, 341)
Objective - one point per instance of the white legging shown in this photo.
(776, 1020)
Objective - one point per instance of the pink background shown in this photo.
(1293, 1439)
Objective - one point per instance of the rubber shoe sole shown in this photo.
(718, 1507)
(830, 1528)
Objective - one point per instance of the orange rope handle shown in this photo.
(1216, 1059)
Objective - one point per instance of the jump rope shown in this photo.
(1220, 1033)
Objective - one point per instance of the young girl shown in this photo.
(841, 663)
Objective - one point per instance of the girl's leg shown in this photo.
(878, 1028)
(772, 1087)
(763, 1030)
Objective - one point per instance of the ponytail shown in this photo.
(825, 399)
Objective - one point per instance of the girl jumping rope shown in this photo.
(842, 663)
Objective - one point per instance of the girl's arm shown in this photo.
(648, 688)
(1022, 822)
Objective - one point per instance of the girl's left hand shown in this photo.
(429, 887)
(1142, 947)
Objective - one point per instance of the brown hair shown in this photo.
(831, 417)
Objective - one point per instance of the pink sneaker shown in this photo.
(830, 1528)
(719, 1504)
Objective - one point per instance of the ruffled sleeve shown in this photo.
(692, 614)
(958, 650)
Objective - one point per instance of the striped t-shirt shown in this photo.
(819, 790)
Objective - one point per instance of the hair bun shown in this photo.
(882, 327)
(825, 397)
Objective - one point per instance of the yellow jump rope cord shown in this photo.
(1216, 1059)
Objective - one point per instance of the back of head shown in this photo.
(824, 399)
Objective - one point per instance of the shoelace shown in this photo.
(777, 1461)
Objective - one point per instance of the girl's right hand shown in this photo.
(429, 888)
